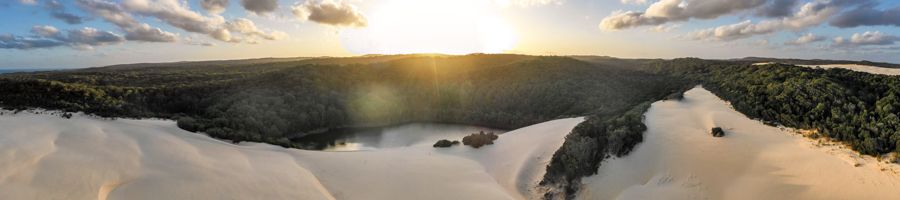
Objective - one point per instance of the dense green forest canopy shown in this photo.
(279, 100)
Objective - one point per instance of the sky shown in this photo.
(89, 33)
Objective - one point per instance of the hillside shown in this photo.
(504, 91)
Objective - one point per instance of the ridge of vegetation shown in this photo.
(278, 102)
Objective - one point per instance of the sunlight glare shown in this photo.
(433, 26)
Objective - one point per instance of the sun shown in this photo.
(433, 26)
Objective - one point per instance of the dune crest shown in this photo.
(48, 157)
(680, 160)
(859, 68)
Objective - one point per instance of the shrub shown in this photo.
(445, 143)
(718, 132)
(479, 139)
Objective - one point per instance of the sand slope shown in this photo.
(48, 157)
(679, 159)
(859, 68)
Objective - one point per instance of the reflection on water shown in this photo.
(414, 134)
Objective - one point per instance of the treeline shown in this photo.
(278, 102)
(589, 143)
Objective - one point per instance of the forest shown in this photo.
(277, 101)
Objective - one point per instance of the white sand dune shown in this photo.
(853, 67)
(859, 68)
(679, 159)
(48, 157)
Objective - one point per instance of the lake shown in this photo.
(406, 135)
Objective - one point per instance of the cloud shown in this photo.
(806, 39)
(260, 7)
(178, 14)
(664, 28)
(223, 35)
(665, 11)
(190, 41)
(175, 13)
(134, 30)
(868, 38)
(45, 31)
(810, 14)
(777, 8)
(528, 3)
(8, 41)
(49, 37)
(58, 11)
(214, 6)
(69, 18)
(29, 2)
(867, 15)
(636, 2)
(147, 33)
(247, 27)
(92, 37)
(330, 12)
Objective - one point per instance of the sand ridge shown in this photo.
(43, 156)
(859, 68)
(680, 160)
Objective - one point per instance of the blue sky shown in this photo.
(293, 28)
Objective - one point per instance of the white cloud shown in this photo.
(868, 38)
(528, 3)
(92, 37)
(666, 11)
(636, 2)
(44, 31)
(175, 13)
(134, 30)
(8, 41)
(29, 2)
(330, 12)
(664, 28)
(810, 14)
(248, 28)
(214, 6)
(50, 37)
(223, 35)
(806, 39)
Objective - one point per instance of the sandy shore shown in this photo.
(49, 157)
(679, 159)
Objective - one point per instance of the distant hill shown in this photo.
(374, 58)
(23, 70)
(199, 63)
